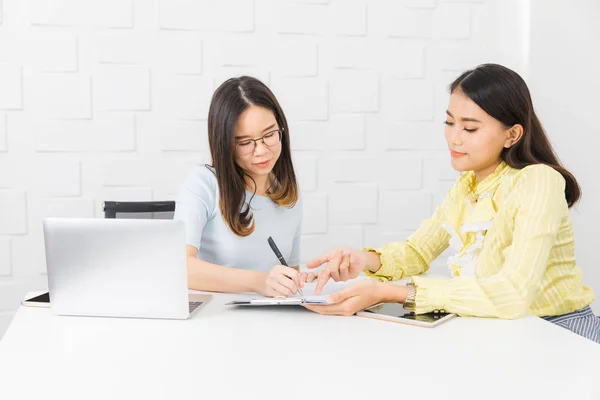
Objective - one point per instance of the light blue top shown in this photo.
(197, 205)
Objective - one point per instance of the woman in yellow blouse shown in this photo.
(507, 217)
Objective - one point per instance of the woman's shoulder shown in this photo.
(540, 171)
(203, 174)
(538, 175)
(536, 185)
(201, 181)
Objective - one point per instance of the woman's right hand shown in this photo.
(342, 264)
(281, 281)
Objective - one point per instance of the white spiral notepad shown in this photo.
(309, 297)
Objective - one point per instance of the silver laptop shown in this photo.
(118, 268)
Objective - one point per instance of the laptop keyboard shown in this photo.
(194, 305)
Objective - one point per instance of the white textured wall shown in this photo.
(564, 66)
(107, 100)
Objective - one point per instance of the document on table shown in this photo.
(310, 297)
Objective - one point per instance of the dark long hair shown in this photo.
(229, 101)
(504, 95)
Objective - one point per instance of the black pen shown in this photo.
(280, 257)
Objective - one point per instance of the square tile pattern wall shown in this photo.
(108, 100)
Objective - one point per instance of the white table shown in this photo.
(291, 353)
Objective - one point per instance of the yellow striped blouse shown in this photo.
(515, 250)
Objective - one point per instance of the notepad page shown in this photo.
(309, 295)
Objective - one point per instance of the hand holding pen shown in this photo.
(289, 278)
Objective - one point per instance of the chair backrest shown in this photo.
(139, 209)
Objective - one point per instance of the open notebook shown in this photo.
(309, 296)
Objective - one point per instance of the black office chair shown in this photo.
(139, 209)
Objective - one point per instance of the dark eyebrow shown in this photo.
(269, 127)
(467, 119)
(264, 130)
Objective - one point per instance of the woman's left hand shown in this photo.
(359, 296)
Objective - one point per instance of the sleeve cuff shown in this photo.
(387, 270)
(432, 294)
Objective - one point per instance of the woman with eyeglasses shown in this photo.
(248, 194)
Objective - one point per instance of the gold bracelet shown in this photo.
(411, 294)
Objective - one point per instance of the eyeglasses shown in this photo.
(248, 146)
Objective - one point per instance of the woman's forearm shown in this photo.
(203, 275)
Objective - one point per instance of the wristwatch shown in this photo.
(409, 303)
